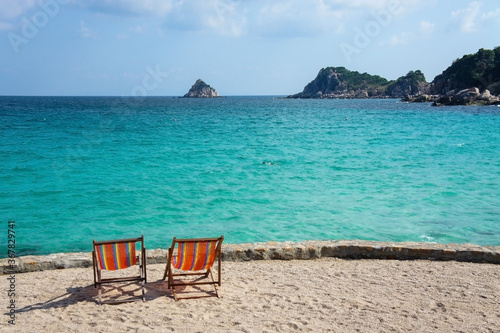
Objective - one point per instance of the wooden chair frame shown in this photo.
(141, 260)
(170, 274)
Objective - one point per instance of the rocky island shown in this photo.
(201, 90)
(339, 82)
(471, 80)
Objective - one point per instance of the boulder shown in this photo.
(470, 93)
(485, 96)
(424, 98)
(469, 96)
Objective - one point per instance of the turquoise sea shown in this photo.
(252, 168)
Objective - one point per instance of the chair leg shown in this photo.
(98, 285)
(142, 274)
(168, 268)
(168, 275)
(215, 285)
(174, 292)
(99, 295)
(166, 271)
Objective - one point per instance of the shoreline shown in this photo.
(342, 249)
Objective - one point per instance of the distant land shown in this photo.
(473, 79)
(201, 90)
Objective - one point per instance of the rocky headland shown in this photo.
(339, 82)
(472, 80)
(201, 90)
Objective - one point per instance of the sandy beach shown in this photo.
(323, 295)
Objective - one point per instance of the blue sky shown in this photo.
(239, 47)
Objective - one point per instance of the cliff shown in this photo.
(339, 82)
(201, 90)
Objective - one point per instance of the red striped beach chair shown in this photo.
(194, 258)
(115, 255)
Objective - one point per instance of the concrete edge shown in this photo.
(347, 249)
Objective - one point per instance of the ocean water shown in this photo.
(255, 169)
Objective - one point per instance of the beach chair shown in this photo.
(191, 258)
(115, 255)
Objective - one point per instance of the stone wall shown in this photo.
(286, 251)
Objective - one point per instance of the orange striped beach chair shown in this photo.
(115, 255)
(191, 258)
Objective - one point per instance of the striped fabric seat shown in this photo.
(112, 255)
(195, 256)
(190, 261)
(116, 256)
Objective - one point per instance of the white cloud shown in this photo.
(126, 7)
(466, 18)
(6, 26)
(226, 16)
(11, 9)
(159, 7)
(402, 39)
(277, 18)
(473, 18)
(85, 31)
(13, 13)
(138, 29)
(493, 15)
(405, 37)
(373, 4)
(395, 6)
(427, 27)
(284, 18)
(299, 18)
(313, 17)
(222, 16)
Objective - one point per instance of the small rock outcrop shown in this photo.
(201, 90)
(423, 98)
(469, 96)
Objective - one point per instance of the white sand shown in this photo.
(326, 295)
